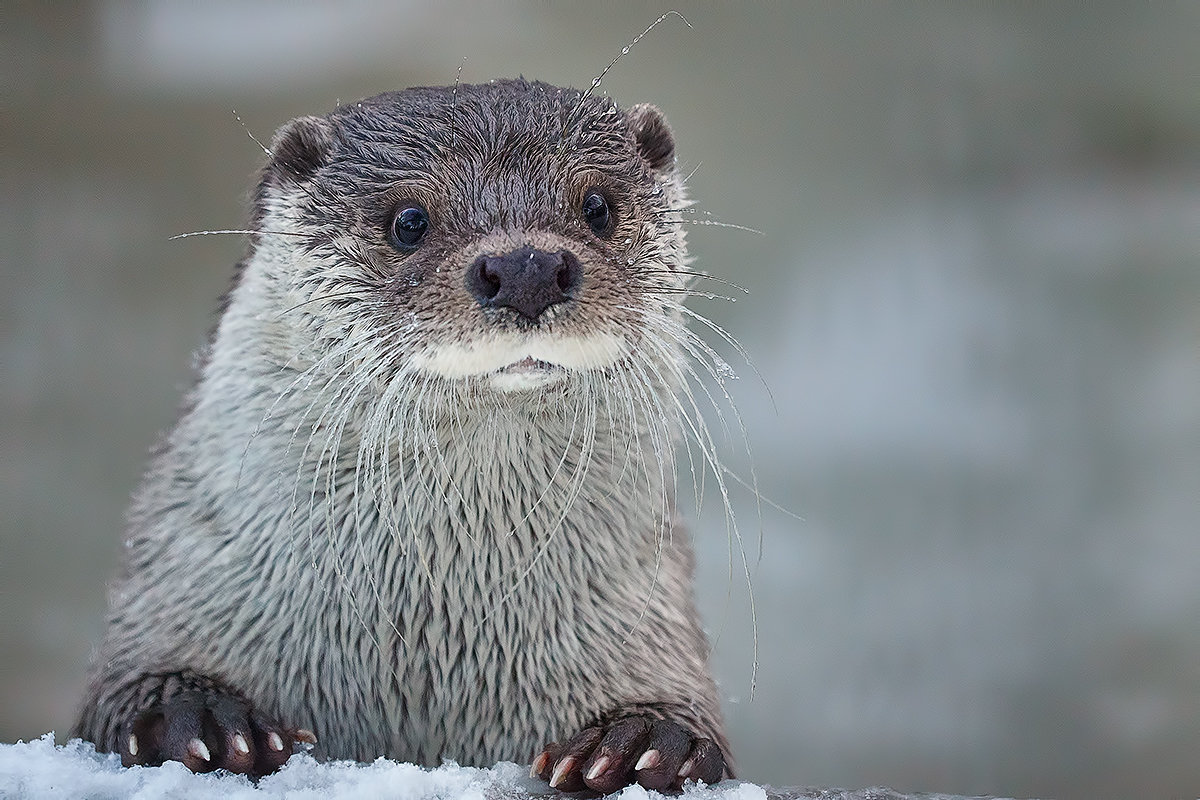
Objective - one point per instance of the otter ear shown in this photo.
(653, 136)
(301, 147)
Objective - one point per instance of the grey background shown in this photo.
(976, 302)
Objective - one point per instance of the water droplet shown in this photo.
(723, 370)
(629, 241)
(629, 260)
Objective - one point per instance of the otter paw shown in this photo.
(208, 731)
(656, 753)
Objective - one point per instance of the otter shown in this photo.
(420, 502)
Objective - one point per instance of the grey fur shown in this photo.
(413, 565)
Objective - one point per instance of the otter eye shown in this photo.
(409, 226)
(595, 211)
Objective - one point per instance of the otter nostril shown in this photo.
(570, 274)
(490, 282)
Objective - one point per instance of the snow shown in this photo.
(42, 769)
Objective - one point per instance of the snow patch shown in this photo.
(41, 769)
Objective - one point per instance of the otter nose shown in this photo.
(526, 280)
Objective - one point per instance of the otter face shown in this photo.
(507, 236)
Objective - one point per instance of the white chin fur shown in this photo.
(524, 381)
(493, 355)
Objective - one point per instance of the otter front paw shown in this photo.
(209, 730)
(656, 753)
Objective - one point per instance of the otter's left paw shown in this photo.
(657, 753)
(208, 730)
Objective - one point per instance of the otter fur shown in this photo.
(420, 502)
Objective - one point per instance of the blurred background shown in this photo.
(975, 302)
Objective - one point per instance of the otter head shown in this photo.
(505, 237)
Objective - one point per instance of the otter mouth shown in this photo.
(526, 374)
(529, 365)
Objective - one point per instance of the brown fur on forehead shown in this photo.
(477, 119)
(485, 155)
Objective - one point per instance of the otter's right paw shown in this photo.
(656, 753)
(208, 731)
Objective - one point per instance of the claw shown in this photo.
(199, 749)
(649, 760)
(240, 744)
(133, 744)
(561, 770)
(598, 768)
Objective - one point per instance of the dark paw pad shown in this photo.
(208, 731)
(656, 753)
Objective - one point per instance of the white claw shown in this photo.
(561, 771)
(539, 764)
(598, 768)
(133, 745)
(649, 759)
(686, 768)
(275, 741)
(239, 744)
(199, 749)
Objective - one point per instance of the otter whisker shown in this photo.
(624, 50)
(718, 224)
(684, 220)
(763, 498)
(695, 274)
(454, 104)
(671, 290)
(253, 138)
(241, 231)
(737, 347)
